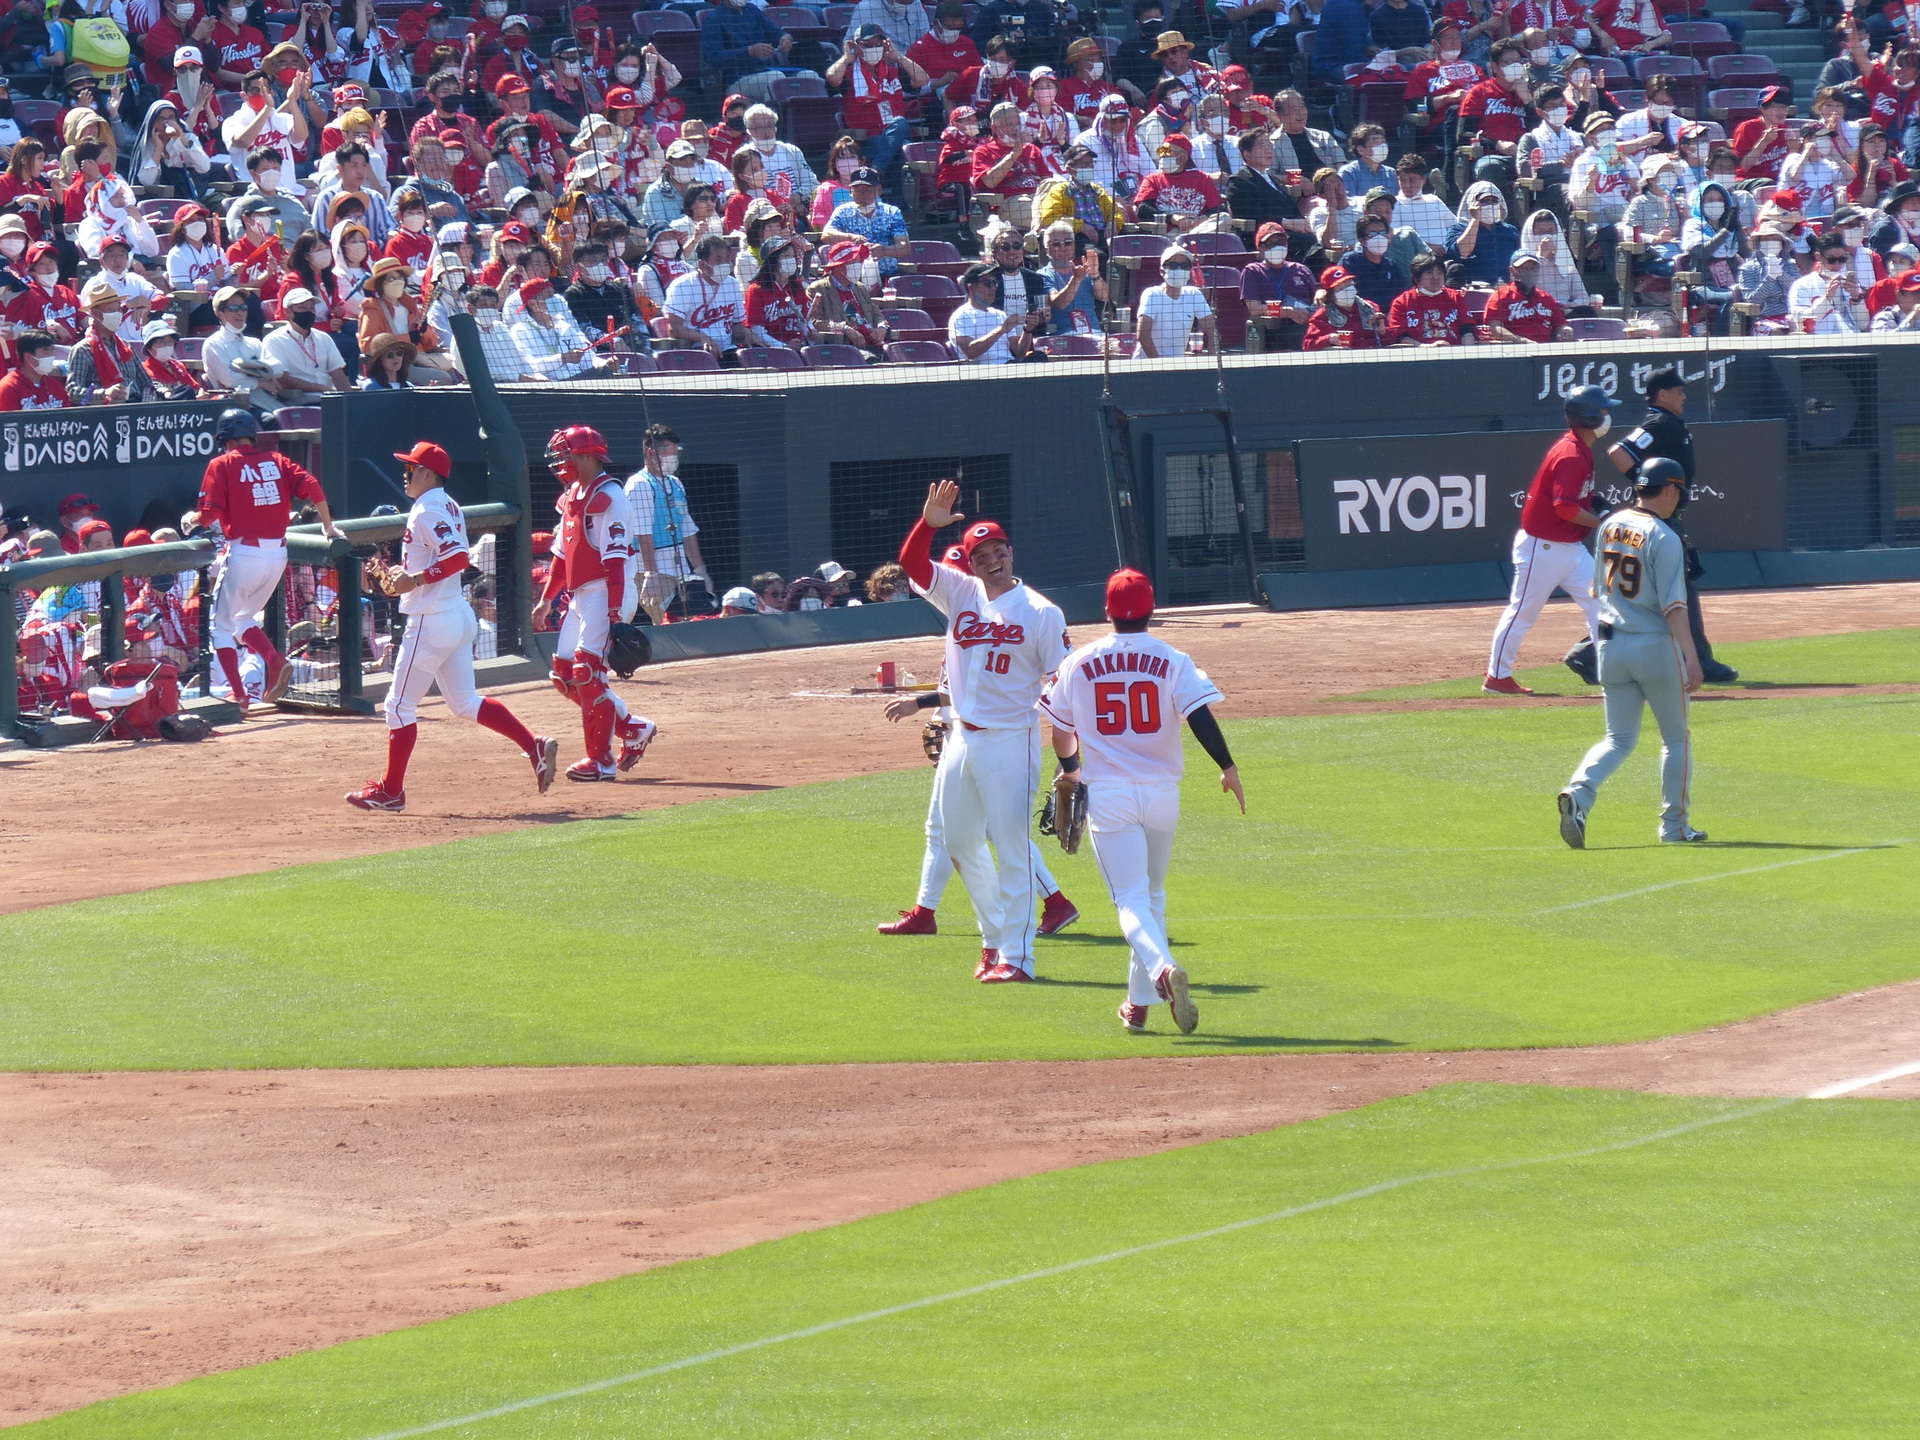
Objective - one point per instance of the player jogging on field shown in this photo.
(1003, 639)
(1647, 654)
(441, 627)
(250, 492)
(590, 554)
(1549, 551)
(1116, 707)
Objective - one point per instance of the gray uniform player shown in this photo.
(1647, 656)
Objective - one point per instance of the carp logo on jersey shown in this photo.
(969, 630)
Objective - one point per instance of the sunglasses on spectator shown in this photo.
(1008, 245)
(235, 309)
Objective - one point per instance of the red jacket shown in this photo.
(1342, 329)
(1501, 113)
(1536, 317)
(251, 493)
(19, 391)
(1425, 318)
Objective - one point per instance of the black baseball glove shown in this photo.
(628, 649)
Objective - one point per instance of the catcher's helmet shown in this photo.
(1658, 472)
(576, 440)
(235, 425)
(1588, 405)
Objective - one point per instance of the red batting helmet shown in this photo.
(956, 558)
(576, 440)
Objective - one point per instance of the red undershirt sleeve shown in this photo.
(616, 568)
(445, 567)
(916, 554)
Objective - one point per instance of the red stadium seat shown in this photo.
(685, 361)
(835, 357)
(624, 364)
(764, 357)
(919, 352)
(1069, 347)
(1585, 328)
(1702, 38)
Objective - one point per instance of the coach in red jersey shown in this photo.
(1550, 551)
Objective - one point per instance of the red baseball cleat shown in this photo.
(634, 746)
(588, 770)
(917, 921)
(1005, 974)
(1057, 913)
(372, 797)
(989, 957)
(546, 764)
(1503, 685)
(280, 681)
(1134, 1017)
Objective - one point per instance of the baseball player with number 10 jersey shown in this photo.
(1003, 641)
(1116, 707)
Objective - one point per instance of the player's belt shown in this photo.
(969, 725)
(1606, 630)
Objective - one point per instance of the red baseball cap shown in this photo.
(516, 230)
(530, 289)
(978, 534)
(1333, 277)
(89, 528)
(430, 455)
(511, 84)
(75, 503)
(1236, 77)
(585, 15)
(452, 137)
(956, 558)
(1129, 595)
(134, 538)
(1909, 281)
(621, 98)
(1786, 199)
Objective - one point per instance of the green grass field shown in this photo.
(1399, 883)
(1870, 657)
(1706, 1269)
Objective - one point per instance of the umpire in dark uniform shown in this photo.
(1663, 435)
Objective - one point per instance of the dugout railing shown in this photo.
(64, 619)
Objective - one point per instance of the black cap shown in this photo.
(563, 45)
(980, 274)
(865, 175)
(869, 31)
(1666, 378)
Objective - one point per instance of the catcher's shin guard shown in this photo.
(562, 677)
(598, 713)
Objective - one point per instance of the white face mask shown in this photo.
(496, 9)
(1276, 255)
(162, 350)
(667, 464)
(1447, 57)
(1376, 245)
(1582, 39)
(110, 319)
(1216, 125)
(1512, 72)
(1713, 210)
(528, 215)
(787, 268)
(1823, 147)
(1540, 57)
(594, 274)
(1343, 297)
(1770, 249)
(1659, 112)
(1606, 424)
(45, 364)
(1095, 70)
(872, 53)
(237, 14)
(414, 221)
(1083, 176)
(626, 74)
(570, 68)
(1664, 182)
(1490, 214)
(999, 68)
(356, 251)
(767, 146)
(455, 157)
(1607, 144)
(1177, 276)
(1557, 116)
(47, 282)
(196, 230)
(683, 174)
(13, 246)
(486, 319)
(1377, 153)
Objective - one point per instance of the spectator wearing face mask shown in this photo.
(504, 361)
(875, 75)
(1560, 274)
(707, 307)
(433, 179)
(1440, 84)
(1120, 160)
(1169, 313)
(1416, 208)
(551, 344)
(1176, 192)
(1723, 169)
(1368, 168)
(780, 159)
(1877, 169)
(1076, 293)
(1902, 314)
(1829, 300)
(1655, 125)
(1343, 320)
(1849, 222)
(1657, 216)
(1817, 172)
(665, 200)
(1080, 203)
(1900, 259)
(946, 51)
(1006, 162)
(1086, 83)
(1550, 148)
(842, 307)
(1713, 247)
(264, 170)
(98, 363)
(1482, 240)
(1520, 312)
(1767, 275)
(1495, 112)
(258, 121)
(1430, 313)
(304, 353)
(600, 303)
(1603, 182)
(870, 220)
(777, 303)
(46, 304)
(995, 81)
(660, 268)
(411, 240)
(1277, 291)
(158, 374)
(1377, 276)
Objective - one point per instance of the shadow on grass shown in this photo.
(1108, 940)
(1295, 1042)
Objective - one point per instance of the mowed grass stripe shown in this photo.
(742, 929)
(1752, 1278)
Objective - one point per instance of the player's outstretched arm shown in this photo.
(1206, 730)
(942, 496)
(901, 706)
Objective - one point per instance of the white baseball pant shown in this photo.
(936, 866)
(987, 799)
(246, 582)
(586, 628)
(1132, 828)
(1539, 568)
(437, 647)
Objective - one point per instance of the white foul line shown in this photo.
(1847, 1087)
(595, 1387)
(1723, 875)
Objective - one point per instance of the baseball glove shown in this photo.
(1584, 660)
(933, 739)
(628, 649)
(1069, 812)
(1046, 814)
(382, 576)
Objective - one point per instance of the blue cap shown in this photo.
(1588, 403)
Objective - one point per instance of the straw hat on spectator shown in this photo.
(1086, 49)
(1171, 40)
(387, 265)
(383, 344)
(98, 294)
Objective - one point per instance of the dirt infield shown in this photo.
(161, 1226)
(269, 793)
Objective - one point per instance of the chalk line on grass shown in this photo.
(1723, 875)
(1847, 1087)
(688, 1362)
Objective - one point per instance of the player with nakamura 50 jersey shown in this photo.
(1116, 707)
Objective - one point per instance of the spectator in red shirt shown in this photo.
(946, 52)
(1176, 192)
(256, 259)
(22, 188)
(1877, 170)
(444, 93)
(1086, 84)
(874, 76)
(1006, 163)
(777, 302)
(47, 304)
(1520, 312)
(32, 385)
(1344, 321)
(181, 23)
(412, 240)
(994, 82)
(1442, 82)
(1495, 110)
(236, 47)
(1431, 313)
(1762, 143)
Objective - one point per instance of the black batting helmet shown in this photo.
(235, 425)
(1657, 473)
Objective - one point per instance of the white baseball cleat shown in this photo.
(1573, 821)
(1172, 988)
(546, 764)
(1687, 836)
(634, 746)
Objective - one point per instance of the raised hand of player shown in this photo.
(942, 496)
(1230, 784)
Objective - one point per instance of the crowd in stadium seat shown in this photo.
(270, 203)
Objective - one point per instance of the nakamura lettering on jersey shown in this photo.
(1125, 696)
(999, 652)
